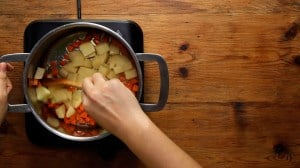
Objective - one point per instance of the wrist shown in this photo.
(134, 127)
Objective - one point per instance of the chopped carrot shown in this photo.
(68, 128)
(133, 81)
(135, 88)
(80, 117)
(81, 107)
(83, 115)
(33, 82)
(128, 85)
(70, 120)
(122, 78)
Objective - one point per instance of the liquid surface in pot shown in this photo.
(57, 80)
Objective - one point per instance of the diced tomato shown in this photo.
(96, 41)
(53, 63)
(63, 62)
(88, 37)
(76, 44)
(70, 48)
(54, 72)
(67, 57)
(96, 36)
(104, 39)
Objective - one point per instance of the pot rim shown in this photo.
(45, 40)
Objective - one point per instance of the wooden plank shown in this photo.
(234, 79)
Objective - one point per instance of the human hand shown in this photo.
(116, 109)
(112, 105)
(5, 88)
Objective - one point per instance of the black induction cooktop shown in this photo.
(36, 133)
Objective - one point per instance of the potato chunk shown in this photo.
(84, 72)
(70, 111)
(87, 49)
(99, 59)
(59, 94)
(104, 69)
(70, 67)
(111, 74)
(77, 59)
(42, 93)
(130, 74)
(102, 48)
(114, 50)
(53, 122)
(60, 111)
(119, 63)
(72, 77)
(76, 98)
(39, 73)
(75, 55)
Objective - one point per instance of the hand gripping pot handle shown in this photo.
(17, 57)
(164, 81)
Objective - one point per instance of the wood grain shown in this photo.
(234, 68)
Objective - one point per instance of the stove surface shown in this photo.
(36, 133)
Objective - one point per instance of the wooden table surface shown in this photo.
(234, 71)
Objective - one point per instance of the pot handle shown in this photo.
(17, 57)
(164, 81)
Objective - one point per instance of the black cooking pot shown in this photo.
(37, 56)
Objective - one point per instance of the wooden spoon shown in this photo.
(62, 82)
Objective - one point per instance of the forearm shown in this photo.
(155, 149)
(116, 109)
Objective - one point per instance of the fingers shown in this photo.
(4, 67)
(98, 80)
(3, 78)
(5, 83)
(9, 85)
(87, 84)
(3, 70)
